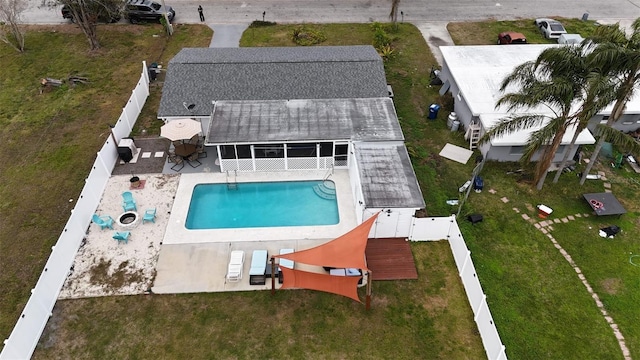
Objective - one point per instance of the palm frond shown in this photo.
(511, 124)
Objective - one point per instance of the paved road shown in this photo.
(415, 11)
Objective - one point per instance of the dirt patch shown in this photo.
(611, 286)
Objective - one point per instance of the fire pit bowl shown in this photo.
(128, 220)
(135, 181)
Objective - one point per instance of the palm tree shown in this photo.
(554, 81)
(597, 97)
(618, 56)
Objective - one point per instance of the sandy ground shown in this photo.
(103, 266)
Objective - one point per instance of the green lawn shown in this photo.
(540, 307)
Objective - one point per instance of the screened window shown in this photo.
(326, 149)
(301, 150)
(228, 151)
(244, 151)
(340, 157)
(269, 151)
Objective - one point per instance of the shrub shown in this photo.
(260, 23)
(306, 37)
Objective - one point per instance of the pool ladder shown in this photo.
(232, 183)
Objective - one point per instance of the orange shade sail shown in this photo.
(341, 285)
(346, 251)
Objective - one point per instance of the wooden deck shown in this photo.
(390, 259)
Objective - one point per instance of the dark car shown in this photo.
(511, 37)
(147, 10)
(109, 14)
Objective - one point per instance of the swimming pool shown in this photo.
(263, 204)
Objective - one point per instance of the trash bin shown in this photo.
(452, 117)
(153, 71)
(478, 184)
(433, 111)
(455, 125)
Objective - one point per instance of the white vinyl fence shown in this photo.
(30, 325)
(440, 228)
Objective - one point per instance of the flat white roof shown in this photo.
(521, 137)
(478, 72)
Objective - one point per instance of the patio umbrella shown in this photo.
(180, 129)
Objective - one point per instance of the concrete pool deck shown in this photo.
(164, 257)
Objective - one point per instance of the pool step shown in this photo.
(325, 190)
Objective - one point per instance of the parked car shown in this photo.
(570, 39)
(551, 29)
(146, 10)
(511, 37)
(112, 13)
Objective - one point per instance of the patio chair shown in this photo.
(128, 203)
(201, 151)
(193, 160)
(103, 221)
(149, 215)
(122, 236)
(178, 161)
(236, 263)
(194, 139)
(171, 155)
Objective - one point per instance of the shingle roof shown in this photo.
(202, 75)
(325, 119)
(387, 177)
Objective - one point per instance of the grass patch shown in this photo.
(486, 32)
(49, 140)
(421, 315)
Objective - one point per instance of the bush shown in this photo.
(260, 23)
(306, 37)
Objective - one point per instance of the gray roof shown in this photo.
(387, 176)
(202, 75)
(299, 120)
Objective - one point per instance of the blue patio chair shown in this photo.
(149, 215)
(128, 204)
(103, 221)
(122, 236)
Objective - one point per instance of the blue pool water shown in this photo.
(264, 204)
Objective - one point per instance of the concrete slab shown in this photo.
(227, 35)
(191, 268)
(456, 153)
(436, 35)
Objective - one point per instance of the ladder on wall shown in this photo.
(232, 181)
(473, 135)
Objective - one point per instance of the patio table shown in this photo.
(185, 150)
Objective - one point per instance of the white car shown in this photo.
(551, 29)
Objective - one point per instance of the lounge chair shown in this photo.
(122, 236)
(258, 267)
(149, 215)
(285, 263)
(128, 203)
(103, 221)
(236, 263)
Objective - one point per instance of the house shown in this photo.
(473, 75)
(301, 108)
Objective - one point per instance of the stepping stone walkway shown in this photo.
(546, 228)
